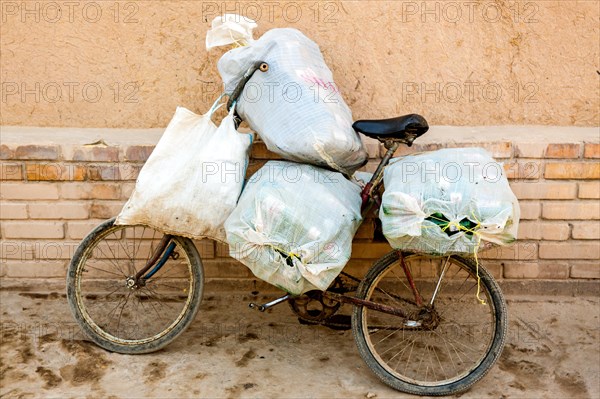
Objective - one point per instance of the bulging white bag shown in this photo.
(193, 178)
(295, 106)
(294, 224)
(448, 201)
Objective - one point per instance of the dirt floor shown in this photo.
(231, 351)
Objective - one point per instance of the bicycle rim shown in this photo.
(114, 311)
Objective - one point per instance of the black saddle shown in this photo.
(403, 128)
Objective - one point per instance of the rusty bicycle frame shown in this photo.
(370, 197)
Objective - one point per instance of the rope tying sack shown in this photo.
(449, 225)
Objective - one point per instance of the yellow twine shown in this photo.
(237, 42)
(481, 301)
(476, 233)
(281, 251)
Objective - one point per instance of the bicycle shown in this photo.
(416, 319)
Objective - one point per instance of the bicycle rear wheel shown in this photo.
(440, 347)
(120, 316)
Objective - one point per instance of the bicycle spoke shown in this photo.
(457, 301)
(392, 347)
(101, 270)
(439, 361)
(170, 286)
(410, 353)
(131, 265)
(163, 276)
(395, 300)
(457, 342)
(153, 307)
(399, 279)
(126, 252)
(113, 257)
(123, 307)
(409, 345)
(112, 292)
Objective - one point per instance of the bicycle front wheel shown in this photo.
(133, 318)
(448, 339)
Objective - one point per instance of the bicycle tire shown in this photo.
(116, 344)
(409, 385)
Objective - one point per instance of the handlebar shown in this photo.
(258, 65)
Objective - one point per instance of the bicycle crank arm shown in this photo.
(262, 308)
(367, 304)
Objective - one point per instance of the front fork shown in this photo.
(161, 254)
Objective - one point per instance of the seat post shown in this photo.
(391, 146)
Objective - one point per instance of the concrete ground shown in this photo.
(231, 351)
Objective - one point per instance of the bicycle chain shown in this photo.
(328, 323)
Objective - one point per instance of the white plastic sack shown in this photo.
(193, 178)
(459, 183)
(230, 29)
(294, 224)
(295, 106)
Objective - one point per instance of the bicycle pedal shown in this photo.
(260, 308)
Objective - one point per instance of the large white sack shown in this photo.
(294, 224)
(295, 106)
(458, 183)
(193, 178)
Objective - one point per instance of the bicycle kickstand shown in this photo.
(262, 308)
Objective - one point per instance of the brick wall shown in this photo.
(52, 195)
